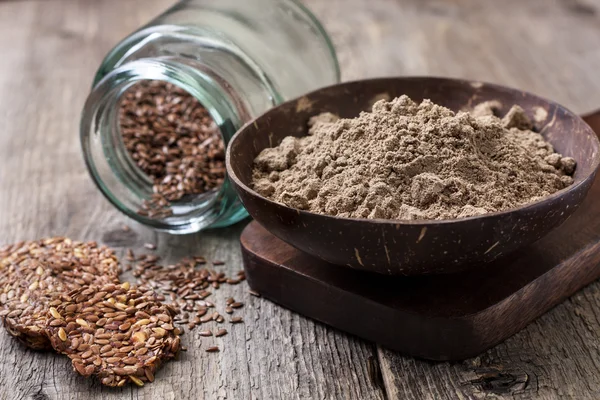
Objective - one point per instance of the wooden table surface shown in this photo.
(49, 50)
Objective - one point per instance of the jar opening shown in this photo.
(153, 133)
(172, 144)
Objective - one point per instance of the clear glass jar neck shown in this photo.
(222, 63)
(125, 185)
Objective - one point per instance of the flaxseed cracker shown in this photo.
(119, 333)
(34, 275)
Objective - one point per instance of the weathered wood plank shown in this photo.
(555, 357)
(48, 54)
(49, 51)
(547, 47)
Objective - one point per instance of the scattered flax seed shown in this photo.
(218, 262)
(237, 304)
(254, 293)
(187, 284)
(236, 320)
(125, 228)
(206, 318)
(212, 349)
(221, 332)
(205, 333)
(150, 246)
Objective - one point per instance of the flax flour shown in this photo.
(410, 161)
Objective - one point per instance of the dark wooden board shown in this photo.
(443, 317)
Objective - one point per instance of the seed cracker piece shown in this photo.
(28, 289)
(119, 333)
(34, 275)
(83, 259)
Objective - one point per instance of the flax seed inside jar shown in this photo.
(171, 139)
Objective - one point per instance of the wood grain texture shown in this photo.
(49, 51)
(549, 47)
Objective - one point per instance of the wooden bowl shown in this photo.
(397, 247)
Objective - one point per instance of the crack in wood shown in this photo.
(499, 381)
(374, 372)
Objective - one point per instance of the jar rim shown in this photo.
(119, 180)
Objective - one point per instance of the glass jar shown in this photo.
(238, 58)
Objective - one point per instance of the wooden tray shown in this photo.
(443, 317)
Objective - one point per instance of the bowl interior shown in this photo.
(568, 133)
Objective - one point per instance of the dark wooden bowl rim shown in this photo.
(425, 222)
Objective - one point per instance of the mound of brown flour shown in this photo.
(413, 161)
